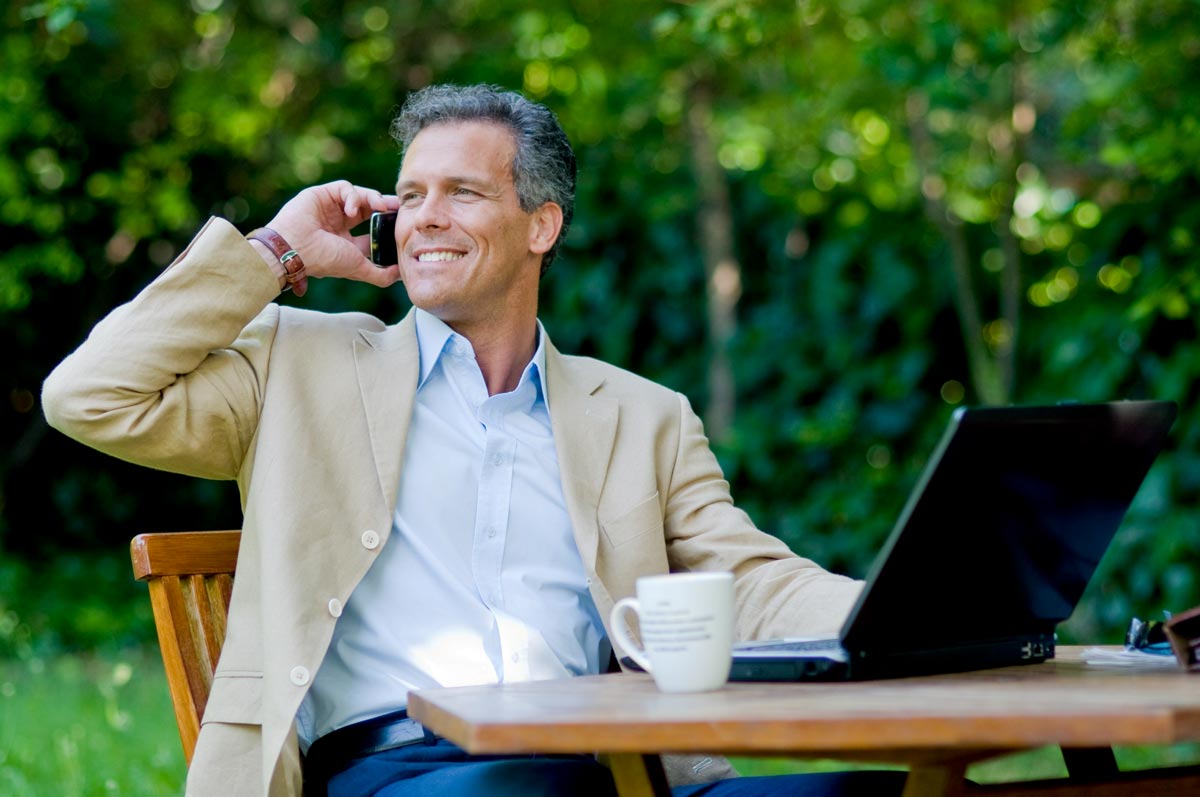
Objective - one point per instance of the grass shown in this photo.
(88, 726)
(100, 725)
(1045, 762)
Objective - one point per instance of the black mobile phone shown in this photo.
(383, 239)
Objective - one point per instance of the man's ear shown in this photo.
(544, 226)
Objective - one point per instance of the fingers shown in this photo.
(380, 277)
(318, 221)
(367, 271)
(369, 200)
(359, 202)
(363, 242)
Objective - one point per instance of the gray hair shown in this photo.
(543, 167)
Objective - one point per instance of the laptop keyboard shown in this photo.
(794, 645)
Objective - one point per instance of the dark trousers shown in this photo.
(443, 769)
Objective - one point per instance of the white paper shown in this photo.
(1110, 657)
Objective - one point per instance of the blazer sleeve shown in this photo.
(778, 593)
(174, 379)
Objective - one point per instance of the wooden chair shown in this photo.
(190, 574)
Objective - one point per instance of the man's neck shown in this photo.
(502, 351)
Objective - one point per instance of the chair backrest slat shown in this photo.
(204, 622)
(219, 587)
(190, 575)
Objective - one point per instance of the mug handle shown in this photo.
(621, 632)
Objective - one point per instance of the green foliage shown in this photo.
(80, 601)
(933, 204)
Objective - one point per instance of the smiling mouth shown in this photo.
(434, 257)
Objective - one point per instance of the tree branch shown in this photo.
(722, 272)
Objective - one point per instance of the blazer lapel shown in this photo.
(388, 366)
(585, 427)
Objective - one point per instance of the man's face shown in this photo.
(468, 253)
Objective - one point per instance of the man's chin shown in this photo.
(438, 307)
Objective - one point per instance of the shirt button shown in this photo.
(370, 540)
(491, 532)
(335, 607)
(299, 676)
(516, 657)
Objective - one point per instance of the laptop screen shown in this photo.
(1009, 522)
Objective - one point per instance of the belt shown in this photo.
(331, 753)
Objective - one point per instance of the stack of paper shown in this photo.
(1124, 657)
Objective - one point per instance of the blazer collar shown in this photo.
(585, 427)
(388, 365)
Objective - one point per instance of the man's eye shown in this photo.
(410, 199)
(464, 191)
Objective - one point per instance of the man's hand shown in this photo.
(317, 223)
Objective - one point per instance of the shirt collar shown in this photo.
(434, 337)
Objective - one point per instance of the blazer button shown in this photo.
(335, 607)
(370, 540)
(299, 676)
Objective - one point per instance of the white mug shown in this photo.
(686, 622)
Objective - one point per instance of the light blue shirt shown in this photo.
(481, 581)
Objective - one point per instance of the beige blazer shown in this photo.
(202, 374)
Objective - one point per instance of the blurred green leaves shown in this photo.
(932, 204)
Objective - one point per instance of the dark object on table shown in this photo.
(1183, 631)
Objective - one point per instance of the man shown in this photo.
(444, 501)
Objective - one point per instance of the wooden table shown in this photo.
(936, 725)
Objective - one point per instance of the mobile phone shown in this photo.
(383, 239)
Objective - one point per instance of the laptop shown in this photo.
(994, 547)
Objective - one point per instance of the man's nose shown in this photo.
(432, 212)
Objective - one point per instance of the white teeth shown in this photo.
(427, 257)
